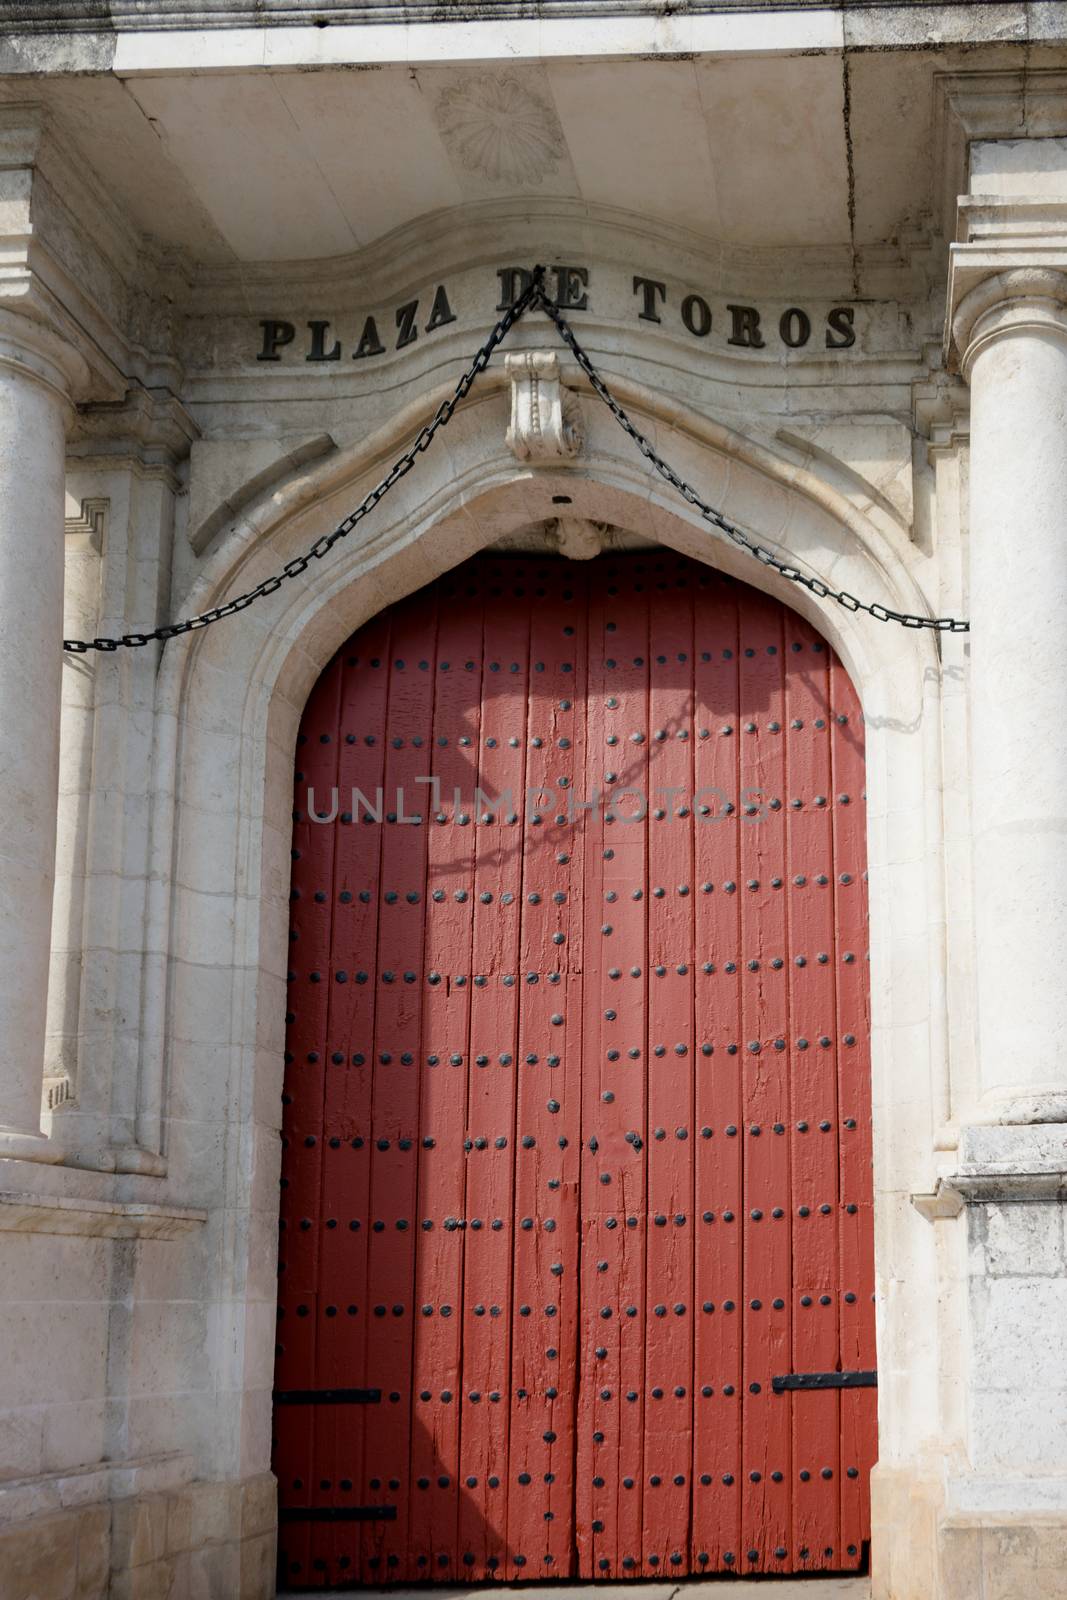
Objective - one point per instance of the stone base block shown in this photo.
(202, 1541)
(905, 1507)
(925, 1550)
(1010, 1557)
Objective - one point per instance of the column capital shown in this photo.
(1026, 298)
(31, 349)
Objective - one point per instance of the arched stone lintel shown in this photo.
(885, 563)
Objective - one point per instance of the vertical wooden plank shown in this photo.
(764, 894)
(669, 987)
(559, 631)
(492, 1075)
(859, 1423)
(814, 1102)
(341, 1431)
(300, 1222)
(716, 1538)
(397, 1044)
(445, 907)
(610, 1471)
(540, 1515)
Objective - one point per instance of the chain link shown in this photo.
(532, 296)
(816, 586)
(323, 545)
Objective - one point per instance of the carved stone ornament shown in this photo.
(546, 419)
(577, 538)
(497, 127)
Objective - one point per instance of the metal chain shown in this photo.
(532, 296)
(299, 564)
(881, 613)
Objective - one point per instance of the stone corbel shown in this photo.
(546, 419)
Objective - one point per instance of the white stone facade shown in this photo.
(232, 289)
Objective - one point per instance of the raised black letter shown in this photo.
(569, 284)
(274, 334)
(840, 321)
(318, 351)
(696, 314)
(440, 312)
(405, 321)
(649, 288)
(746, 327)
(795, 327)
(369, 342)
(513, 282)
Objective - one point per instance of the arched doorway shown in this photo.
(576, 1266)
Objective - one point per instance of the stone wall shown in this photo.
(211, 1541)
(139, 1230)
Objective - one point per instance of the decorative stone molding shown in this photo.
(546, 419)
(999, 1164)
(150, 432)
(98, 1219)
(940, 409)
(57, 1089)
(496, 126)
(987, 1188)
(86, 530)
(286, 466)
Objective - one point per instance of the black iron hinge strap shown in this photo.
(825, 1380)
(337, 1513)
(327, 1397)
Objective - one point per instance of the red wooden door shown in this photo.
(576, 1264)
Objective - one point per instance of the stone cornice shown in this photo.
(1010, 250)
(74, 16)
(484, 232)
(996, 235)
(71, 261)
(151, 426)
(998, 103)
(140, 35)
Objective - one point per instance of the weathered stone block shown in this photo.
(214, 1513)
(155, 1580)
(38, 1560)
(139, 1531)
(960, 1559)
(259, 1505)
(94, 1552)
(1020, 1240)
(258, 1567)
(212, 1573)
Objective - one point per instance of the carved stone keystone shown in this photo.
(546, 419)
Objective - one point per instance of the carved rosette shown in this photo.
(546, 419)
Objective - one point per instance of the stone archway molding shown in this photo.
(228, 707)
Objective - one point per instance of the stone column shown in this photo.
(37, 370)
(1011, 334)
